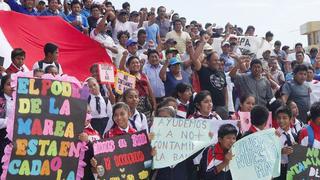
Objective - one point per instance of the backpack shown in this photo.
(106, 100)
(40, 64)
(310, 136)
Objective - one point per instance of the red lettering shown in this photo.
(128, 159)
(36, 128)
(46, 84)
(107, 163)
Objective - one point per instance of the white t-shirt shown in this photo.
(292, 57)
(36, 66)
(129, 26)
(104, 39)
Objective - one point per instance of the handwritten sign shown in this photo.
(124, 157)
(304, 163)
(106, 73)
(49, 116)
(245, 120)
(177, 139)
(124, 81)
(215, 125)
(256, 156)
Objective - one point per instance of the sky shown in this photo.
(282, 17)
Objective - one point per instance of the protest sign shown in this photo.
(124, 81)
(245, 121)
(49, 116)
(106, 73)
(256, 156)
(315, 91)
(215, 125)
(124, 157)
(177, 139)
(304, 163)
(249, 43)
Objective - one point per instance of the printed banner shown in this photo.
(124, 157)
(124, 81)
(256, 156)
(245, 121)
(49, 116)
(249, 43)
(106, 73)
(177, 139)
(303, 163)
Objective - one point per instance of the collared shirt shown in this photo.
(156, 83)
(21, 9)
(297, 126)
(14, 69)
(284, 143)
(182, 109)
(72, 17)
(138, 121)
(49, 12)
(106, 109)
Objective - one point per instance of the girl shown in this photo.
(296, 125)
(183, 94)
(147, 102)
(246, 104)
(137, 119)
(6, 109)
(121, 113)
(202, 107)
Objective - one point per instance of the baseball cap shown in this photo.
(172, 50)
(131, 42)
(174, 61)
(225, 43)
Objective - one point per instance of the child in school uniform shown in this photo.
(183, 93)
(296, 124)
(310, 135)
(214, 163)
(259, 117)
(137, 120)
(100, 107)
(284, 115)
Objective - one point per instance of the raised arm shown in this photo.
(163, 71)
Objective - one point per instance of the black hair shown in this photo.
(277, 43)
(95, 65)
(269, 34)
(255, 61)
(274, 106)
(17, 52)
(300, 52)
(120, 33)
(203, 32)
(125, 5)
(126, 93)
(50, 47)
(181, 88)
(47, 69)
(259, 115)
(293, 64)
(130, 59)
(207, 25)
(313, 50)
(43, 3)
(284, 48)
(4, 80)
(37, 70)
(160, 8)
(299, 67)
(244, 97)
(197, 100)
(141, 31)
(52, 0)
(167, 109)
(297, 44)
(315, 111)
(311, 68)
(177, 20)
(74, 2)
(227, 129)
(152, 51)
(284, 109)
(94, 6)
(250, 27)
(108, 3)
(120, 105)
(166, 101)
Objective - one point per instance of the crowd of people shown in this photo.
(179, 73)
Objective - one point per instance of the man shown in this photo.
(253, 83)
(52, 10)
(298, 91)
(27, 7)
(250, 31)
(280, 54)
(78, 20)
(17, 56)
(142, 38)
(300, 58)
(162, 21)
(152, 30)
(180, 36)
(211, 78)
(225, 56)
(86, 9)
(51, 52)
(313, 55)
(152, 70)
(40, 7)
(298, 48)
(269, 36)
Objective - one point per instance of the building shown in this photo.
(312, 30)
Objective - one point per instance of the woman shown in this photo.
(147, 101)
(123, 37)
(174, 76)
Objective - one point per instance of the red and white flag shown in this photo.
(77, 52)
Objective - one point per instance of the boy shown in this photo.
(101, 109)
(310, 135)
(214, 163)
(17, 57)
(284, 115)
(296, 124)
(77, 19)
(259, 116)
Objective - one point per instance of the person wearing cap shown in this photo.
(178, 35)
(76, 18)
(212, 79)
(134, 16)
(27, 7)
(99, 34)
(122, 23)
(163, 22)
(132, 50)
(225, 56)
(174, 76)
(53, 10)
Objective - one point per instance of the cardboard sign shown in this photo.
(245, 120)
(256, 156)
(177, 139)
(304, 163)
(124, 157)
(124, 81)
(49, 116)
(106, 73)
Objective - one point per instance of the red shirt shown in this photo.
(142, 85)
(116, 131)
(13, 69)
